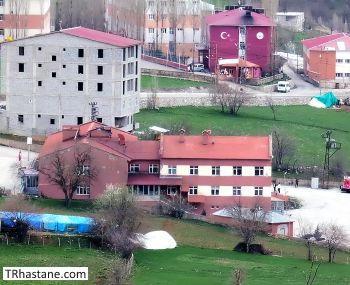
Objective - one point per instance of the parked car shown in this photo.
(197, 67)
(283, 86)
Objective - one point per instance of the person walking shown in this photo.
(296, 182)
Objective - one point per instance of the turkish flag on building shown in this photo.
(20, 156)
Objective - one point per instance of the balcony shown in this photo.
(196, 198)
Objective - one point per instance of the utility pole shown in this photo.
(331, 148)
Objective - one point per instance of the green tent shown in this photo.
(327, 98)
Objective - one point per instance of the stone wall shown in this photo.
(20, 144)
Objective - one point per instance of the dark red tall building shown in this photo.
(241, 34)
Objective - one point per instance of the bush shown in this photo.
(253, 248)
(293, 203)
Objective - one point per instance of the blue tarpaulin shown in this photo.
(51, 222)
(328, 99)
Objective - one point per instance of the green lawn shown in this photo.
(167, 83)
(24, 255)
(303, 124)
(193, 265)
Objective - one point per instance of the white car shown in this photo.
(283, 86)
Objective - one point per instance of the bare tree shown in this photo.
(70, 173)
(250, 222)
(118, 220)
(310, 236)
(219, 94)
(237, 99)
(283, 149)
(312, 273)
(271, 104)
(238, 277)
(177, 206)
(334, 237)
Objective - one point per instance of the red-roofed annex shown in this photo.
(210, 172)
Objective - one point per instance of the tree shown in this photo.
(177, 206)
(228, 98)
(70, 173)
(334, 237)
(271, 104)
(249, 222)
(310, 237)
(283, 149)
(118, 220)
(312, 273)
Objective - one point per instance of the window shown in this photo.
(339, 60)
(80, 86)
(62, 116)
(130, 52)
(215, 191)
(39, 48)
(136, 84)
(150, 190)
(347, 74)
(1, 2)
(193, 190)
(79, 120)
(21, 67)
(85, 170)
(130, 85)
(64, 66)
(40, 83)
(258, 191)
(20, 50)
(163, 3)
(134, 168)
(193, 170)
(80, 69)
(80, 52)
(100, 53)
(171, 190)
(151, 3)
(63, 82)
(163, 30)
(153, 168)
(124, 54)
(40, 65)
(1, 17)
(83, 190)
(123, 87)
(215, 170)
(151, 17)
(237, 170)
(131, 68)
(259, 171)
(339, 75)
(53, 58)
(180, 29)
(53, 74)
(151, 30)
(172, 170)
(20, 118)
(52, 121)
(39, 116)
(171, 31)
(124, 68)
(99, 69)
(136, 68)
(2, 31)
(99, 120)
(99, 87)
(347, 61)
(236, 191)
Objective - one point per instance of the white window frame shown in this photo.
(151, 16)
(151, 30)
(83, 190)
(258, 191)
(236, 191)
(171, 190)
(215, 170)
(193, 190)
(237, 170)
(194, 170)
(153, 168)
(163, 30)
(134, 168)
(215, 191)
(172, 170)
(259, 170)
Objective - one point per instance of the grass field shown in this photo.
(303, 124)
(190, 265)
(23, 255)
(167, 83)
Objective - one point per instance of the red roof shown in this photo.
(319, 41)
(101, 37)
(218, 147)
(238, 18)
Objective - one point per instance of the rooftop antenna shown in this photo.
(94, 111)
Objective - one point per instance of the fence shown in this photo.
(165, 62)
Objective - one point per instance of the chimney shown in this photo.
(121, 139)
(182, 133)
(206, 137)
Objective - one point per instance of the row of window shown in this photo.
(341, 60)
(83, 190)
(152, 168)
(215, 170)
(338, 74)
(146, 190)
(152, 3)
(20, 119)
(215, 191)
(171, 30)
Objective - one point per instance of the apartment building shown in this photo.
(19, 19)
(50, 80)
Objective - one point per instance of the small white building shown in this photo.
(19, 19)
(293, 21)
(49, 81)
